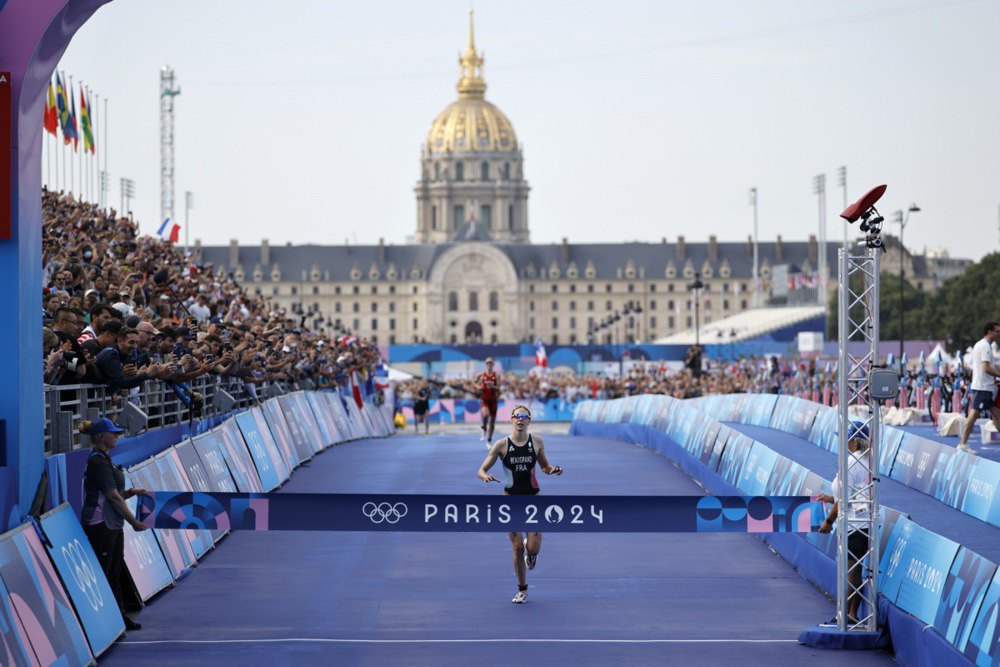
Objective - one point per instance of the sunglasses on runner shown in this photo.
(521, 416)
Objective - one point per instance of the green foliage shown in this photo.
(957, 312)
(913, 305)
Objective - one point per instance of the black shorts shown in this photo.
(420, 407)
(857, 544)
(981, 400)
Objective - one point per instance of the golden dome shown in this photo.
(471, 124)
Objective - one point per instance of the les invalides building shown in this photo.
(472, 274)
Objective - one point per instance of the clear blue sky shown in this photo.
(302, 121)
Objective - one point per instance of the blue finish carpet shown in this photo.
(444, 599)
(926, 510)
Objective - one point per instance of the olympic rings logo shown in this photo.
(82, 573)
(384, 512)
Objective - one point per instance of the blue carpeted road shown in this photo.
(444, 599)
(926, 510)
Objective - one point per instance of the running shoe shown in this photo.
(530, 560)
(521, 597)
(966, 449)
(482, 438)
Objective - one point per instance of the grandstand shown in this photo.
(759, 324)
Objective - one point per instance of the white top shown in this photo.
(858, 476)
(982, 351)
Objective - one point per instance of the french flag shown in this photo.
(356, 389)
(347, 340)
(169, 232)
(541, 359)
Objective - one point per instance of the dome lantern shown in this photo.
(471, 84)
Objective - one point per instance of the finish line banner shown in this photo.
(452, 513)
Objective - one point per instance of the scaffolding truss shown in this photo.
(858, 471)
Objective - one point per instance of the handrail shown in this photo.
(66, 406)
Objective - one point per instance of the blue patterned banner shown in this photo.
(450, 513)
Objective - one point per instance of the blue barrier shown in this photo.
(14, 642)
(80, 572)
(926, 575)
(264, 460)
(54, 632)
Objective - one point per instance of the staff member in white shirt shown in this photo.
(858, 476)
(984, 383)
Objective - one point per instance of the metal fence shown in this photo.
(155, 404)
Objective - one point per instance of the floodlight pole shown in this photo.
(858, 320)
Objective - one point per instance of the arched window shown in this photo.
(437, 171)
(473, 300)
(452, 301)
(459, 171)
(506, 171)
(434, 217)
(510, 217)
(484, 171)
(494, 301)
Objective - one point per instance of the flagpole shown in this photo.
(64, 134)
(93, 123)
(107, 179)
(72, 169)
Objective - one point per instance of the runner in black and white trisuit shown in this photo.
(518, 453)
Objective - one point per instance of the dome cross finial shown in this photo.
(471, 84)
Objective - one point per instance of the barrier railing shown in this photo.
(159, 402)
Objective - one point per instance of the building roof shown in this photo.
(610, 261)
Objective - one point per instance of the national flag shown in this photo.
(63, 108)
(71, 126)
(347, 340)
(51, 118)
(175, 233)
(541, 359)
(356, 389)
(163, 228)
(88, 133)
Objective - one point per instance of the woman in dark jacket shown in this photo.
(104, 509)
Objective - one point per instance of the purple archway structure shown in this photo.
(34, 35)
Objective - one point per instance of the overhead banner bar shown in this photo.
(456, 513)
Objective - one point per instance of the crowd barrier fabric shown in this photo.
(275, 422)
(303, 412)
(962, 596)
(197, 512)
(794, 416)
(281, 464)
(44, 612)
(210, 451)
(267, 467)
(238, 458)
(77, 566)
(174, 544)
(916, 463)
(173, 478)
(323, 413)
(983, 645)
(15, 649)
(144, 559)
(284, 411)
(940, 599)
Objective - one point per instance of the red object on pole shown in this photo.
(6, 155)
(858, 208)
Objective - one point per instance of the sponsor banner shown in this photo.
(951, 484)
(14, 645)
(45, 613)
(143, 558)
(824, 430)
(282, 435)
(734, 457)
(963, 593)
(210, 451)
(915, 565)
(267, 467)
(319, 406)
(175, 545)
(173, 478)
(758, 408)
(447, 513)
(756, 473)
(916, 462)
(281, 464)
(794, 415)
(304, 412)
(891, 438)
(82, 578)
(238, 458)
(981, 499)
(983, 645)
(280, 411)
(718, 449)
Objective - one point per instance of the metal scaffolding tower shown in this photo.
(167, 94)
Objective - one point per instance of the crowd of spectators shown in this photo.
(121, 308)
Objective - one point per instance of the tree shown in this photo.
(957, 312)
(913, 303)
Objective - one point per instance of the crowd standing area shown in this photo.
(934, 389)
(121, 308)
